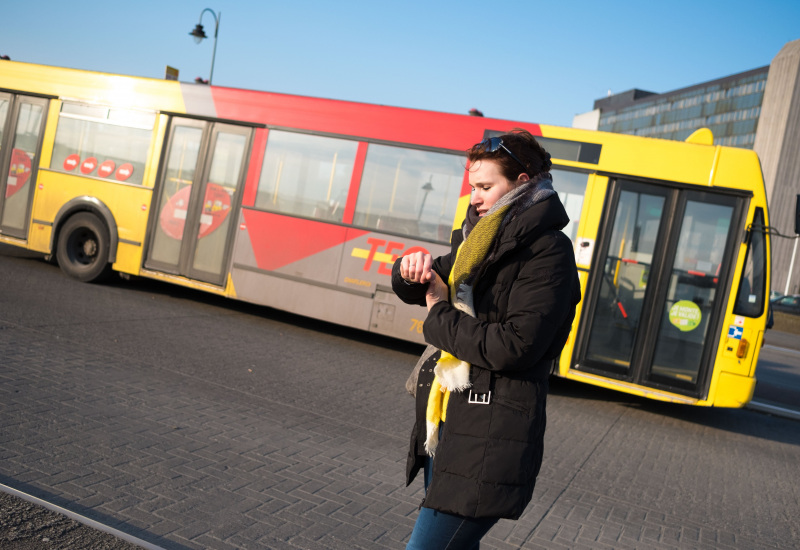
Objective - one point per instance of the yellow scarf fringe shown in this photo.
(469, 255)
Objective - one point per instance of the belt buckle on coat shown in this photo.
(480, 398)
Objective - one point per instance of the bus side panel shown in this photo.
(368, 257)
(584, 244)
(331, 272)
(731, 390)
(289, 246)
(734, 380)
(566, 357)
(39, 234)
(100, 88)
(367, 264)
(369, 121)
(292, 264)
(302, 298)
(391, 317)
(645, 158)
(129, 205)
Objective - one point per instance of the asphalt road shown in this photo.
(778, 372)
(190, 421)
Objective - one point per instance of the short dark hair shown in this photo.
(524, 146)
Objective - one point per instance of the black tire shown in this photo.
(82, 249)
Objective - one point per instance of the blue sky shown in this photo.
(522, 60)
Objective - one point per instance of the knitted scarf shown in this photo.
(451, 373)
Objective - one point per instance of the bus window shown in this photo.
(227, 157)
(5, 99)
(409, 192)
(178, 178)
(692, 290)
(753, 284)
(102, 142)
(24, 143)
(626, 274)
(571, 188)
(306, 175)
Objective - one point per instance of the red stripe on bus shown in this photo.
(629, 261)
(365, 120)
(254, 170)
(696, 273)
(622, 310)
(355, 183)
(465, 187)
(279, 240)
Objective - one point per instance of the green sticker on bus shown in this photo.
(685, 315)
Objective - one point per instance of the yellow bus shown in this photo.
(293, 203)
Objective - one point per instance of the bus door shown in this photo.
(21, 128)
(199, 191)
(657, 292)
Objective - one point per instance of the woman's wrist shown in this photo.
(433, 300)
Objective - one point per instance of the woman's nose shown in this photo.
(474, 199)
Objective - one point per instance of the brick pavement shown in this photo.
(118, 402)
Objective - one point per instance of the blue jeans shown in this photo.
(439, 531)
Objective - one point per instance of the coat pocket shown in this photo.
(511, 404)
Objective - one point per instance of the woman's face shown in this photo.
(488, 185)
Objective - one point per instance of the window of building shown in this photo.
(305, 175)
(102, 142)
(409, 192)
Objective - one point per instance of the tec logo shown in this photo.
(383, 252)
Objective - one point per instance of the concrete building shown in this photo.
(778, 146)
(757, 109)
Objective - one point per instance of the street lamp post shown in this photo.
(199, 34)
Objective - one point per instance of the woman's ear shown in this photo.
(522, 178)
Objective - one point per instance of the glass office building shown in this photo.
(746, 110)
(729, 106)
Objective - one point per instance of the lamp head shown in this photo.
(198, 33)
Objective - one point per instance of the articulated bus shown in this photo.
(302, 204)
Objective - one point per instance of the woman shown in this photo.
(500, 307)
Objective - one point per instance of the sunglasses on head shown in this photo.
(492, 144)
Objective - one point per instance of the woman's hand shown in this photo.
(437, 291)
(416, 267)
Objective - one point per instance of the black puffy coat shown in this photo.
(489, 455)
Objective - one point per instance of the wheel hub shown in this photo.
(89, 247)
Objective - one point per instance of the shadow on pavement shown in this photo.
(160, 288)
(740, 421)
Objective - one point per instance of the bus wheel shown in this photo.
(82, 250)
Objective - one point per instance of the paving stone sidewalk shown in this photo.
(118, 403)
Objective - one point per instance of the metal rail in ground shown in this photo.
(774, 410)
